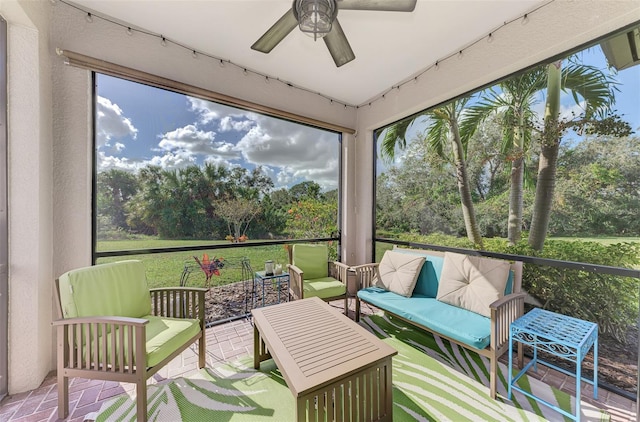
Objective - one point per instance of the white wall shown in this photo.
(554, 29)
(30, 186)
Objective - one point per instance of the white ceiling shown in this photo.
(389, 46)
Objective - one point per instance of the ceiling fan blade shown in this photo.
(276, 33)
(382, 5)
(338, 45)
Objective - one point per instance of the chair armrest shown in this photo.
(296, 276)
(101, 343)
(179, 302)
(366, 274)
(503, 312)
(176, 288)
(118, 320)
(339, 271)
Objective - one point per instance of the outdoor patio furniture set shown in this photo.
(111, 326)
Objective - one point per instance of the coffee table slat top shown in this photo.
(318, 342)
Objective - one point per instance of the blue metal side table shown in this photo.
(280, 284)
(560, 335)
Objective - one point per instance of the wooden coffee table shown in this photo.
(335, 369)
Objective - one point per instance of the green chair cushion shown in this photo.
(166, 335)
(114, 289)
(311, 259)
(324, 287)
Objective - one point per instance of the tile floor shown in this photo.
(224, 342)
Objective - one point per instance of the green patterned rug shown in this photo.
(433, 381)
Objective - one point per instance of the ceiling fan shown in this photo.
(318, 19)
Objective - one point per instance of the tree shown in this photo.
(305, 190)
(597, 188)
(444, 128)
(144, 211)
(513, 99)
(238, 213)
(595, 91)
(312, 218)
(114, 189)
(420, 195)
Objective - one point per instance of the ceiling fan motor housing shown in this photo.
(315, 17)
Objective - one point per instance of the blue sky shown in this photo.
(138, 125)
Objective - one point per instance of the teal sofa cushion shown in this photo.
(456, 323)
(113, 289)
(508, 289)
(324, 287)
(311, 259)
(429, 277)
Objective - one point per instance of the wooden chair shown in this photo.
(112, 327)
(312, 274)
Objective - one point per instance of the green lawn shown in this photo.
(165, 269)
(605, 240)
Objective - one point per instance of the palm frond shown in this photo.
(438, 132)
(395, 137)
(591, 85)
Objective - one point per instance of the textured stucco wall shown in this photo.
(556, 28)
(30, 186)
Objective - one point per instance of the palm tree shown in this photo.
(513, 99)
(595, 91)
(444, 127)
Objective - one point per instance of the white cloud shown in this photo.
(227, 123)
(228, 118)
(173, 160)
(119, 146)
(296, 152)
(191, 141)
(301, 152)
(112, 124)
(202, 108)
(106, 162)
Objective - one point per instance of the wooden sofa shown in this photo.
(112, 327)
(487, 336)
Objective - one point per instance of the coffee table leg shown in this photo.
(256, 347)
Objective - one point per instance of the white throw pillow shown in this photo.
(398, 272)
(472, 282)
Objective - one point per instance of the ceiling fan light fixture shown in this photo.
(315, 17)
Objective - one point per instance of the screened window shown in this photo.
(172, 169)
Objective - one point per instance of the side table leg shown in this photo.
(510, 368)
(535, 354)
(595, 367)
(578, 384)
